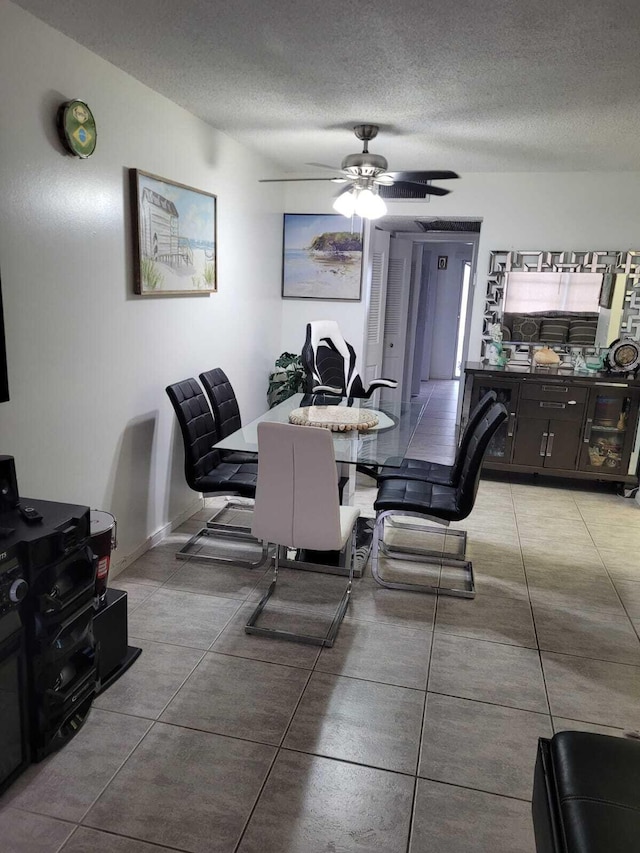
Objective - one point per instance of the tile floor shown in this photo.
(417, 732)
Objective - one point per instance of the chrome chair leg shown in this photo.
(218, 527)
(426, 556)
(310, 639)
(187, 553)
(239, 506)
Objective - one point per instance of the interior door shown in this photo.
(396, 315)
(374, 335)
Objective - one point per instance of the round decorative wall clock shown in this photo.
(623, 356)
(77, 128)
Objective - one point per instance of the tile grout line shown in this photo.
(611, 580)
(535, 628)
(422, 728)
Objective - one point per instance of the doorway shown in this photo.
(428, 301)
(443, 303)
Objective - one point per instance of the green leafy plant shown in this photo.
(287, 378)
(152, 278)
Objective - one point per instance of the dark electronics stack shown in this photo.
(48, 660)
(60, 568)
(63, 635)
(61, 650)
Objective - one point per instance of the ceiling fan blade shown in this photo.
(410, 189)
(421, 177)
(283, 180)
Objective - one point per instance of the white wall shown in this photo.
(554, 211)
(88, 420)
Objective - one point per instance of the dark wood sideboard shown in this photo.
(561, 424)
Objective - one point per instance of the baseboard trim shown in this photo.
(118, 566)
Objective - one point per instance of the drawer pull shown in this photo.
(511, 424)
(550, 443)
(543, 444)
(551, 405)
(559, 388)
(587, 430)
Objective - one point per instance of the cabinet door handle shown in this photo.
(543, 444)
(511, 424)
(550, 443)
(557, 388)
(547, 405)
(587, 430)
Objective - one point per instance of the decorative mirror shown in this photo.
(570, 299)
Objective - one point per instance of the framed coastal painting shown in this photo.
(174, 229)
(322, 257)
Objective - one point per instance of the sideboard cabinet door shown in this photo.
(501, 446)
(609, 428)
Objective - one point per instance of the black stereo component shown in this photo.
(9, 496)
(111, 635)
(54, 733)
(63, 662)
(62, 587)
(51, 546)
(14, 716)
(64, 528)
(13, 584)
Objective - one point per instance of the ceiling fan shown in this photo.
(369, 181)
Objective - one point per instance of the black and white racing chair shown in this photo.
(330, 364)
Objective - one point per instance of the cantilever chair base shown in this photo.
(428, 557)
(224, 523)
(309, 639)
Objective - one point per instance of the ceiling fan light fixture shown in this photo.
(345, 204)
(369, 205)
(362, 200)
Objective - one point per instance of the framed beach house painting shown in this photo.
(174, 230)
(322, 257)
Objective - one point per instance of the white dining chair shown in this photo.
(297, 506)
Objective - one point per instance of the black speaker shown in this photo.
(9, 496)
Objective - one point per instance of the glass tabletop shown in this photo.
(389, 439)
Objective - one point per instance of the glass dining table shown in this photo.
(378, 445)
(386, 443)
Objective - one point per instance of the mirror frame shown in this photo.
(502, 262)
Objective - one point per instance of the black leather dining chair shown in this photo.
(206, 471)
(226, 411)
(404, 497)
(435, 472)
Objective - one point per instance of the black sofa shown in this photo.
(586, 794)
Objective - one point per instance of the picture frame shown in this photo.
(175, 237)
(606, 291)
(322, 257)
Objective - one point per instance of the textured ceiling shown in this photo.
(498, 85)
